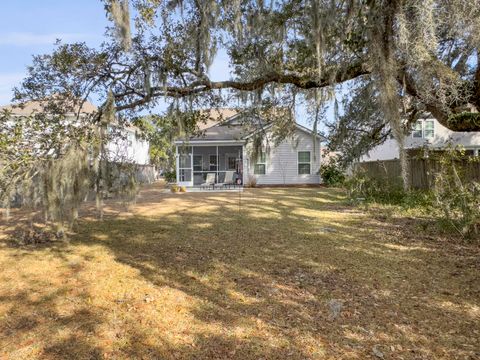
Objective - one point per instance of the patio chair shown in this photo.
(229, 179)
(209, 181)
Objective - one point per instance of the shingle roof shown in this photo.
(32, 107)
(222, 132)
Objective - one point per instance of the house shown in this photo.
(228, 146)
(426, 133)
(124, 145)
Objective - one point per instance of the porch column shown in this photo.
(244, 165)
(218, 162)
(191, 166)
(177, 163)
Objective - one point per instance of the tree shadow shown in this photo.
(259, 275)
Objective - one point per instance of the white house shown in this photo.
(426, 133)
(227, 146)
(126, 146)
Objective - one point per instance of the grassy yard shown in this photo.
(281, 274)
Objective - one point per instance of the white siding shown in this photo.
(129, 149)
(282, 162)
(389, 149)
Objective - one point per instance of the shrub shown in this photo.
(332, 173)
(183, 189)
(174, 188)
(360, 187)
(458, 199)
(170, 176)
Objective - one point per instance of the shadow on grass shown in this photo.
(263, 272)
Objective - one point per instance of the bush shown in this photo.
(174, 188)
(458, 200)
(170, 176)
(183, 189)
(360, 187)
(332, 173)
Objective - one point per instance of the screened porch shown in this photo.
(195, 162)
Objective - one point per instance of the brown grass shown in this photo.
(204, 276)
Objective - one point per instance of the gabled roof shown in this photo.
(233, 130)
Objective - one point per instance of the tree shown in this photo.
(161, 132)
(426, 51)
(419, 56)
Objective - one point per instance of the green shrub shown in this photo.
(458, 199)
(183, 189)
(360, 187)
(332, 173)
(170, 176)
(174, 188)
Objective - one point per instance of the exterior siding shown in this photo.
(389, 149)
(282, 162)
(129, 149)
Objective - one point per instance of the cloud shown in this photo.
(7, 82)
(32, 39)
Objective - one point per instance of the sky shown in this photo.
(32, 27)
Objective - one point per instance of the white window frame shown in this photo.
(259, 162)
(422, 130)
(425, 129)
(309, 163)
(414, 129)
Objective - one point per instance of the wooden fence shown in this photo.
(421, 171)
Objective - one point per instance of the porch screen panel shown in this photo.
(204, 162)
(185, 164)
(229, 159)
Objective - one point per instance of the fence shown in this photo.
(421, 171)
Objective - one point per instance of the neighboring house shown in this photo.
(125, 146)
(128, 146)
(426, 133)
(227, 146)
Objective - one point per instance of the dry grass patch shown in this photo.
(270, 274)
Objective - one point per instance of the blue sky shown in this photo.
(30, 27)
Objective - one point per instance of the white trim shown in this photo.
(208, 142)
(422, 129)
(309, 163)
(308, 131)
(261, 163)
(185, 183)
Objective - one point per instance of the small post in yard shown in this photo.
(239, 200)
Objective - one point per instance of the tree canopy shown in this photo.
(426, 52)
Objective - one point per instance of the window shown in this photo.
(130, 138)
(213, 163)
(197, 162)
(231, 163)
(303, 162)
(417, 130)
(472, 152)
(260, 168)
(428, 131)
(424, 129)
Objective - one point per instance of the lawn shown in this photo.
(266, 274)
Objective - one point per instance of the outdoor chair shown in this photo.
(229, 179)
(209, 181)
